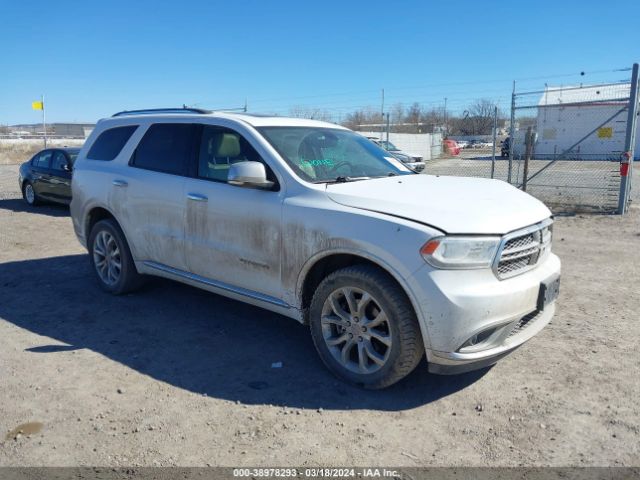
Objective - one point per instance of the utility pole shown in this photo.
(388, 126)
(446, 127)
(382, 116)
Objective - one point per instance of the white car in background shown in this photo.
(416, 165)
(390, 147)
(315, 222)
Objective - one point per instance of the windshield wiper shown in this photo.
(343, 179)
(386, 175)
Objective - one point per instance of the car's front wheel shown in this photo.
(364, 327)
(111, 258)
(29, 194)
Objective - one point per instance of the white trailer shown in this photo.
(581, 122)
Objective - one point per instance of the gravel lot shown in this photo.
(173, 375)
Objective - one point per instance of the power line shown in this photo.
(423, 86)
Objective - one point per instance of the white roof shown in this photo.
(275, 121)
(251, 119)
(585, 94)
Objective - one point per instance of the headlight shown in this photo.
(460, 252)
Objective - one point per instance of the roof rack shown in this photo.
(149, 111)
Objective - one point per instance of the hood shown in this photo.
(452, 204)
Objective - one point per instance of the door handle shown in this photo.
(119, 183)
(196, 197)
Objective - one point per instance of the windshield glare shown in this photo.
(326, 154)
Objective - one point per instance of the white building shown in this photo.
(582, 119)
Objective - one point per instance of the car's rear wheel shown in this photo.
(364, 327)
(29, 194)
(111, 258)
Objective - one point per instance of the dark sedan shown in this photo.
(47, 176)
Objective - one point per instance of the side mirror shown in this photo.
(248, 174)
(66, 167)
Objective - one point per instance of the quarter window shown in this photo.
(110, 142)
(165, 147)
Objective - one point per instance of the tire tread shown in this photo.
(411, 344)
(132, 279)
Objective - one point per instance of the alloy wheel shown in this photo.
(29, 194)
(106, 258)
(356, 330)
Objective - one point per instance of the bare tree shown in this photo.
(432, 120)
(363, 119)
(414, 113)
(397, 114)
(478, 118)
(302, 111)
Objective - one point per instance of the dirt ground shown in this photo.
(173, 375)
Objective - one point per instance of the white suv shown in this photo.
(314, 221)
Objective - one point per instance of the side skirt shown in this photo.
(221, 288)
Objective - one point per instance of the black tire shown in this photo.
(128, 278)
(35, 200)
(407, 347)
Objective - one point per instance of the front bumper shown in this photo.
(448, 363)
(455, 306)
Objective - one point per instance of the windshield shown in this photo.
(389, 146)
(72, 157)
(327, 155)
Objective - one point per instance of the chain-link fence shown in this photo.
(570, 146)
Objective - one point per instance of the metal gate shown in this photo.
(572, 146)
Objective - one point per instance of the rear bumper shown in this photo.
(77, 222)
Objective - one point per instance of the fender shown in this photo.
(85, 226)
(402, 280)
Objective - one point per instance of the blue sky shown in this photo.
(93, 58)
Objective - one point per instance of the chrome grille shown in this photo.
(522, 250)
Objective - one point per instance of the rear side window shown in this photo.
(109, 143)
(166, 147)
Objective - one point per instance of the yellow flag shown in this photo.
(37, 105)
